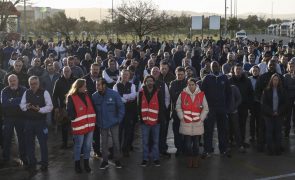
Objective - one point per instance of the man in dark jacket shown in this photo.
(244, 85)
(218, 92)
(178, 56)
(17, 70)
(150, 112)
(10, 99)
(61, 88)
(175, 89)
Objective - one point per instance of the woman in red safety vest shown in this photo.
(192, 109)
(83, 118)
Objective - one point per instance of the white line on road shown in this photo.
(277, 177)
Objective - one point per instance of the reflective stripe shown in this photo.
(187, 117)
(84, 126)
(84, 117)
(195, 114)
(149, 110)
(149, 119)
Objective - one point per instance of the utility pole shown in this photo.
(231, 8)
(25, 19)
(225, 20)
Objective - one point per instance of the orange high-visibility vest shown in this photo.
(150, 111)
(191, 109)
(85, 118)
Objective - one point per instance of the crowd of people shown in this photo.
(94, 90)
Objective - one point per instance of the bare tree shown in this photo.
(6, 9)
(143, 17)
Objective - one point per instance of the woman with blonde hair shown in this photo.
(81, 112)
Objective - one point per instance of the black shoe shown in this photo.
(205, 155)
(78, 167)
(86, 166)
(226, 154)
(97, 155)
(144, 163)
(44, 168)
(157, 163)
(166, 154)
(104, 165)
(118, 164)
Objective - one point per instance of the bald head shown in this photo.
(13, 81)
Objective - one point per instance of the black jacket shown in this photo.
(267, 102)
(61, 88)
(245, 87)
(175, 89)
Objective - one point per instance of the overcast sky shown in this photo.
(212, 6)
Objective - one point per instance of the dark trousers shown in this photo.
(222, 128)
(96, 140)
(163, 147)
(191, 145)
(290, 116)
(8, 129)
(273, 129)
(178, 138)
(243, 114)
(254, 119)
(37, 128)
(65, 132)
(261, 133)
(234, 128)
(126, 130)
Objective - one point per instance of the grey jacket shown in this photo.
(236, 99)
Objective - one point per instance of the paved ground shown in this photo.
(251, 165)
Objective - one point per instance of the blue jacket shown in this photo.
(109, 108)
(218, 92)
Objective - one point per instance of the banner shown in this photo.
(197, 22)
(214, 22)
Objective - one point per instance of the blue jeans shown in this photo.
(8, 129)
(37, 128)
(191, 145)
(84, 140)
(155, 132)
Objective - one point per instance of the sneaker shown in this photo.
(144, 163)
(104, 165)
(242, 149)
(166, 154)
(206, 155)
(157, 163)
(118, 164)
(226, 154)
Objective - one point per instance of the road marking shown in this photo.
(278, 177)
